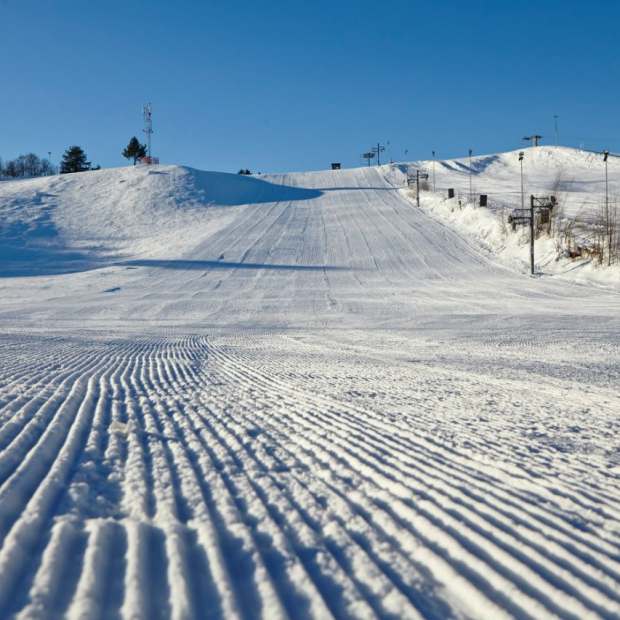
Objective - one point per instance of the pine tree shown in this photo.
(134, 150)
(74, 160)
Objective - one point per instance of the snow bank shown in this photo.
(489, 231)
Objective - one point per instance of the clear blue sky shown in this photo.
(294, 85)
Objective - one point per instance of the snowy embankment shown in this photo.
(489, 231)
(296, 396)
(575, 178)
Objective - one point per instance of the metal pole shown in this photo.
(557, 133)
(434, 188)
(471, 194)
(522, 193)
(607, 216)
(532, 235)
(417, 185)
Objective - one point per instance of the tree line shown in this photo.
(74, 159)
(29, 165)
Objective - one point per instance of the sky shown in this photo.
(295, 85)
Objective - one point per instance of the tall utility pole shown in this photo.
(434, 171)
(378, 150)
(471, 194)
(148, 126)
(534, 139)
(608, 230)
(557, 131)
(522, 193)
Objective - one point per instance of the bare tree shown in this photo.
(28, 165)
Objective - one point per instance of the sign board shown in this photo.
(336, 166)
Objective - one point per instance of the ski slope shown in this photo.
(576, 177)
(294, 396)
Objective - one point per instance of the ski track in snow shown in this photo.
(343, 418)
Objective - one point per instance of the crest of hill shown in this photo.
(68, 222)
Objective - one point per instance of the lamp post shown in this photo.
(557, 132)
(522, 195)
(434, 171)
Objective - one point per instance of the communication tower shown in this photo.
(148, 127)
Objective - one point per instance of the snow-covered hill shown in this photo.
(576, 177)
(295, 396)
(84, 220)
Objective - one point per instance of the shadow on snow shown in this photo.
(220, 264)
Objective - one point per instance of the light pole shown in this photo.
(522, 195)
(557, 132)
(607, 216)
(471, 194)
(434, 171)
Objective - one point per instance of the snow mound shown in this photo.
(79, 221)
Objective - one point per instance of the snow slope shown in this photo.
(73, 222)
(294, 396)
(576, 177)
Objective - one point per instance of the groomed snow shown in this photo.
(295, 396)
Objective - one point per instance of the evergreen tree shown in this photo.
(74, 160)
(134, 150)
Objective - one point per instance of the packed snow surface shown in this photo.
(295, 396)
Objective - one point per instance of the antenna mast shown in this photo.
(148, 127)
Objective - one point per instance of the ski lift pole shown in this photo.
(417, 187)
(424, 176)
(532, 234)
